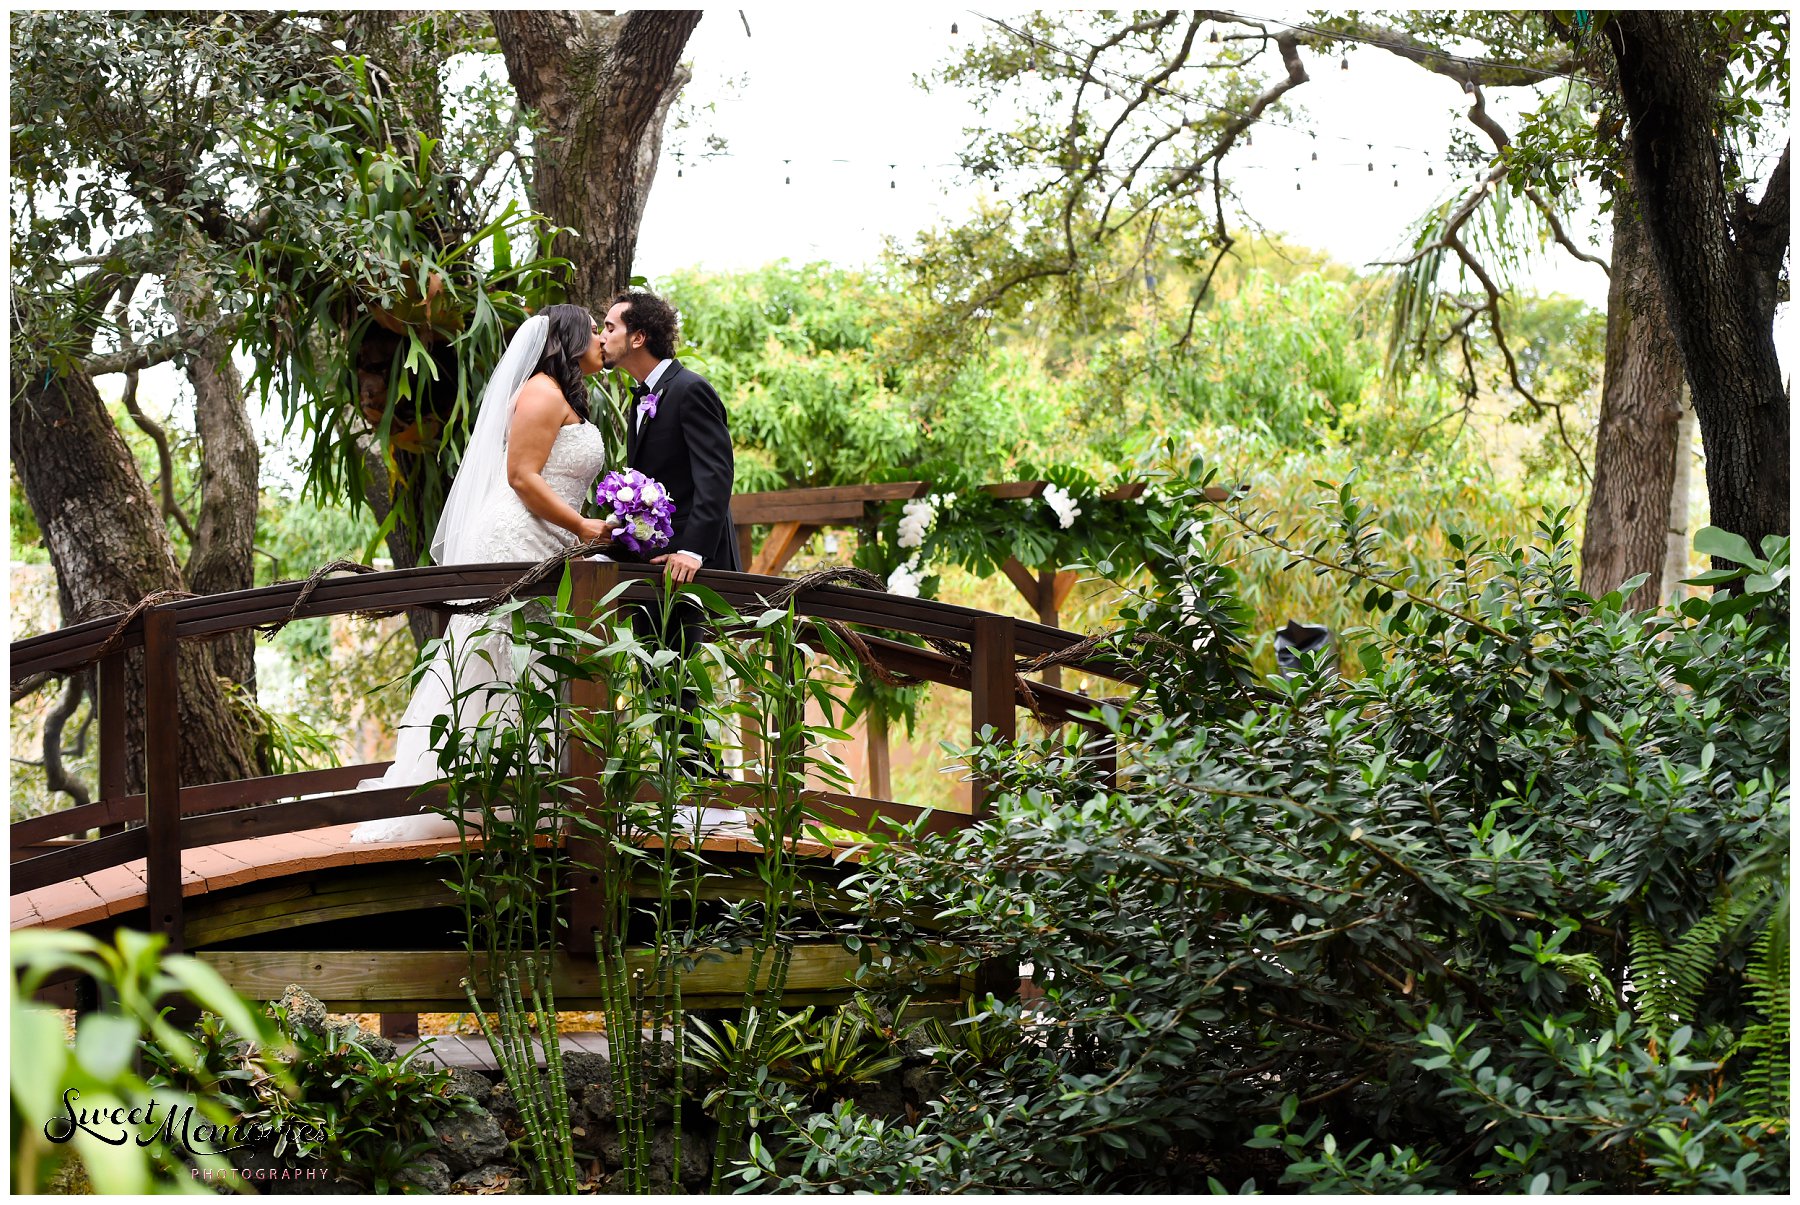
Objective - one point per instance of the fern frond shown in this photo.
(1669, 978)
(1765, 1044)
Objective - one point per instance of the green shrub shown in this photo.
(1498, 914)
(331, 1103)
(56, 1083)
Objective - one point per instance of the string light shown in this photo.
(953, 28)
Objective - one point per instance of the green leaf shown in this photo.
(105, 1044)
(39, 1061)
(1717, 542)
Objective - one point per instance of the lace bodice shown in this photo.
(576, 457)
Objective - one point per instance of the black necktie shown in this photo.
(638, 391)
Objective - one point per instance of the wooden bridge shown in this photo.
(258, 877)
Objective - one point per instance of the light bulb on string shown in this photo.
(952, 28)
(1297, 176)
(1346, 63)
(891, 168)
(787, 179)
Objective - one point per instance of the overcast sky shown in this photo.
(826, 98)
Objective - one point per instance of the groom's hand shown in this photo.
(677, 567)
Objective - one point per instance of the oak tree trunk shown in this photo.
(1719, 258)
(602, 85)
(1640, 416)
(108, 546)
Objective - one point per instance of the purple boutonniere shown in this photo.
(647, 407)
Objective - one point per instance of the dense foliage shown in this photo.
(329, 1101)
(1506, 912)
(58, 1085)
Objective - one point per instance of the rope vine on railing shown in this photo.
(548, 568)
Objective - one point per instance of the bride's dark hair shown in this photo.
(571, 331)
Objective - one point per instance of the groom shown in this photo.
(675, 432)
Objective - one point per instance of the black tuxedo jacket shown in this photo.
(687, 447)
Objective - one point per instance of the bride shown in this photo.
(530, 464)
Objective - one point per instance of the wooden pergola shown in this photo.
(794, 516)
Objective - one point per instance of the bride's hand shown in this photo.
(595, 529)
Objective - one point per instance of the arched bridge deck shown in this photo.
(259, 877)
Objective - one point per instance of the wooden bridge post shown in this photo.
(162, 774)
(110, 702)
(588, 913)
(992, 702)
(991, 688)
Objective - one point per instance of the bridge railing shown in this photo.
(178, 816)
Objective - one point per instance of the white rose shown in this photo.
(652, 493)
(626, 494)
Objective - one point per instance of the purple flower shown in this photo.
(647, 406)
(639, 506)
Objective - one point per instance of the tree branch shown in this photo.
(56, 777)
(1764, 225)
(1556, 227)
(144, 355)
(30, 686)
(1466, 71)
(149, 426)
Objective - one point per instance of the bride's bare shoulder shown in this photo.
(540, 401)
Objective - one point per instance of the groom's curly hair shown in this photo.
(655, 319)
(571, 330)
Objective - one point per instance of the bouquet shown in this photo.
(640, 508)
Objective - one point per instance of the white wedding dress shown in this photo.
(508, 532)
